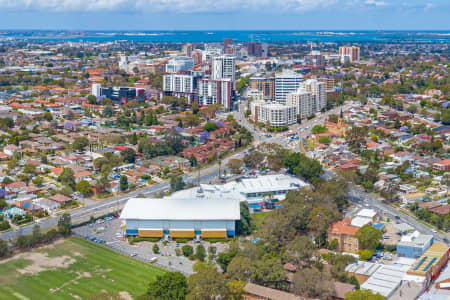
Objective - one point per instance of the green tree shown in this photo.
(243, 225)
(195, 107)
(239, 268)
(65, 225)
(128, 155)
(268, 272)
(211, 126)
(133, 139)
(363, 295)
(176, 184)
(92, 99)
(368, 237)
(108, 111)
(4, 248)
(313, 283)
(80, 143)
(123, 183)
(170, 286)
(318, 129)
(300, 250)
(187, 250)
(235, 165)
(84, 187)
(29, 169)
(224, 258)
(67, 178)
(38, 180)
(209, 284)
(200, 253)
(155, 248)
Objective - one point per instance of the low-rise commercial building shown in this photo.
(430, 264)
(414, 245)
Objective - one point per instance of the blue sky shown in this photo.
(225, 14)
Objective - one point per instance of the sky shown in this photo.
(225, 14)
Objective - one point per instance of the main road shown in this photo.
(204, 176)
(356, 194)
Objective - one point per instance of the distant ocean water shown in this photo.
(238, 36)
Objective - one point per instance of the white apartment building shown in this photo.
(212, 91)
(179, 63)
(273, 114)
(318, 91)
(224, 67)
(286, 82)
(303, 101)
(178, 83)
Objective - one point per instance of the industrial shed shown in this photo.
(189, 213)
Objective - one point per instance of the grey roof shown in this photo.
(190, 204)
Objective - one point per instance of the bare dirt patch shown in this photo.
(125, 295)
(41, 262)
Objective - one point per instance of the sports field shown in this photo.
(73, 269)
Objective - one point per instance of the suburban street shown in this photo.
(116, 203)
(356, 194)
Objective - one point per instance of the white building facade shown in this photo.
(274, 114)
(224, 67)
(212, 91)
(303, 101)
(286, 82)
(179, 63)
(318, 92)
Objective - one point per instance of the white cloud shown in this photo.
(183, 6)
(376, 3)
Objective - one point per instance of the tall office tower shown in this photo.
(187, 49)
(254, 49)
(212, 91)
(265, 50)
(286, 82)
(318, 91)
(227, 43)
(349, 53)
(224, 67)
(179, 63)
(97, 91)
(303, 101)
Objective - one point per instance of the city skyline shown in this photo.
(230, 15)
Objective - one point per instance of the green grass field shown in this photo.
(73, 269)
(257, 218)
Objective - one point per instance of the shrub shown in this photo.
(155, 249)
(365, 254)
(187, 250)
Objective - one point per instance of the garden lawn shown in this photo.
(73, 269)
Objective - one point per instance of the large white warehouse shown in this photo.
(186, 214)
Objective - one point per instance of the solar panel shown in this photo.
(420, 262)
(429, 264)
